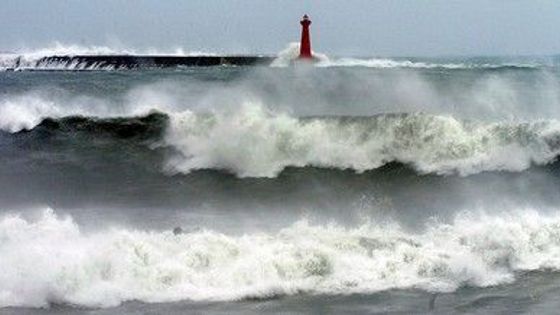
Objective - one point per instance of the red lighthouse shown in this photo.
(305, 46)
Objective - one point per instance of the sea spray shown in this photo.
(253, 142)
(286, 57)
(49, 260)
(34, 59)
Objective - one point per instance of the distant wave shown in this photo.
(40, 59)
(60, 49)
(22, 62)
(393, 63)
(50, 261)
(287, 56)
(33, 59)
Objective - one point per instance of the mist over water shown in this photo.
(364, 176)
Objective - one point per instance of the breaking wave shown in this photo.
(149, 127)
(50, 260)
(287, 56)
(384, 63)
(253, 142)
(38, 59)
(43, 59)
(22, 62)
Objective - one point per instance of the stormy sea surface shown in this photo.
(355, 186)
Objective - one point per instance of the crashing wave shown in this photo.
(35, 59)
(252, 142)
(291, 53)
(59, 57)
(385, 63)
(51, 261)
(18, 63)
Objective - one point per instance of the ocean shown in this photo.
(352, 186)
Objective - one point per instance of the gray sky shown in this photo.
(343, 27)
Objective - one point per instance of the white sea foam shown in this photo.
(254, 142)
(51, 261)
(62, 49)
(287, 56)
(387, 63)
(26, 111)
(30, 59)
(403, 63)
(249, 140)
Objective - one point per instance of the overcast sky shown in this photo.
(343, 27)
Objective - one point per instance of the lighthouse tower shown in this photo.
(305, 46)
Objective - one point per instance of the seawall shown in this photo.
(141, 62)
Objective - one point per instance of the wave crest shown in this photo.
(253, 142)
(40, 59)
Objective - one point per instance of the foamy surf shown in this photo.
(42, 59)
(254, 142)
(49, 260)
(287, 56)
(387, 63)
(38, 58)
